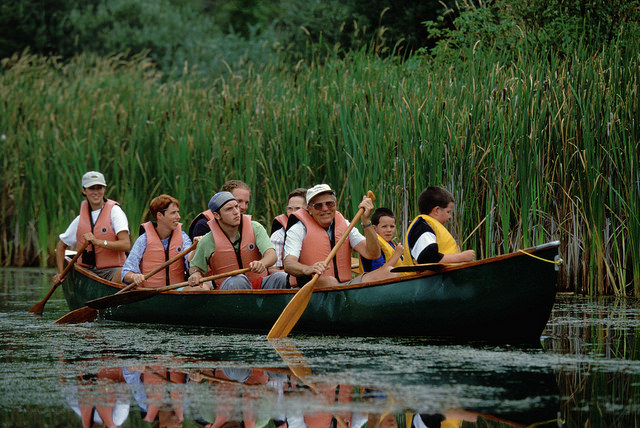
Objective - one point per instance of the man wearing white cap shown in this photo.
(235, 242)
(102, 224)
(312, 234)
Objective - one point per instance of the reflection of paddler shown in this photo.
(155, 401)
(232, 401)
(96, 403)
(332, 394)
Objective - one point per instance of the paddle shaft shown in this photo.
(293, 311)
(86, 314)
(201, 280)
(162, 266)
(39, 307)
(135, 296)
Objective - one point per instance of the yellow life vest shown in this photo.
(446, 243)
(387, 251)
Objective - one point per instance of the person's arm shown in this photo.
(198, 265)
(123, 243)
(422, 243)
(60, 249)
(464, 256)
(131, 269)
(268, 259)
(369, 248)
(292, 247)
(67, 239)
(186, 243)
(293, 267)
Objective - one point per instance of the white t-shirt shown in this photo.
(277, 239)
(297, 233)
(119, 223)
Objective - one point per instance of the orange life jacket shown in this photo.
(154, 255)
(316, 245)
(102, 230)
(225, 258)
(279, 222)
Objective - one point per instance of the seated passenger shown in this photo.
(295, 201)
(384, 223)
(157, 243)
(427, 240)
(313, 232)
(104, 225)
(235, 242)
(239, 189)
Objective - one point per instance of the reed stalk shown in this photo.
(533, 151)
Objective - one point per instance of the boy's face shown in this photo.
(442, 214)
(386, 228)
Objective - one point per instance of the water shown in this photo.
(586, 373)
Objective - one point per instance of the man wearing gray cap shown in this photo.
(102, 224)
(312, 234)
(234, 242)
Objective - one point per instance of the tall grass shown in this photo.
(534, 150)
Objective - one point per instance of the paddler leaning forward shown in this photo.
(313, 232)
(235, 242)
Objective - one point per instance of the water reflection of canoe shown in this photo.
(506, 298)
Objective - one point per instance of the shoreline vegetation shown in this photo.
(541, 145)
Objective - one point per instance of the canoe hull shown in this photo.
(507, 299)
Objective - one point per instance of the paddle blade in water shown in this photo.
(120, 299)
(85, 314)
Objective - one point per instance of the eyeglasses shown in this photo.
(329, 204)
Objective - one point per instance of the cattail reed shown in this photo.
(540, 150)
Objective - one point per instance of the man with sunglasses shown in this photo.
(313, 232)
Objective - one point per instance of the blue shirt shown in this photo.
(371, 265)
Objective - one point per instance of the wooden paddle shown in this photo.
(87, 314)
(137, 295)
(39, 307)
(294, 310)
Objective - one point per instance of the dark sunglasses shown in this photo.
(329, 204)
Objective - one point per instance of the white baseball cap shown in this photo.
(318, 189)
(92, 178)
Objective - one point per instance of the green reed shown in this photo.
(533, 151)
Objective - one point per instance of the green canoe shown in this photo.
(506, 298)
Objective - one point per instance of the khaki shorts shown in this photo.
(356, 280)
(106, 273)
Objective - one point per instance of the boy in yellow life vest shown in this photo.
(427, 240)
(384, 223)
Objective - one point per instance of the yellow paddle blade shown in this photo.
(293, 311)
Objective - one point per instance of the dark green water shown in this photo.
(586, 373)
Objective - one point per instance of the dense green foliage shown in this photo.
(535, 133)
(212, 35)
